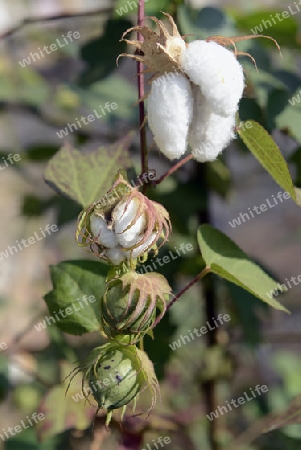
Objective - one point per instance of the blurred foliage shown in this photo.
(90, 79)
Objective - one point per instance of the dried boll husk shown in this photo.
(159, 52)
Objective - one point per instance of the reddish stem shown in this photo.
(173, 169)
(186, 288)
(140, 75)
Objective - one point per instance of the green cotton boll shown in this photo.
(119, 311)
(116, 373)
(116, 378)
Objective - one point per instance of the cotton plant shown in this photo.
(192, 107)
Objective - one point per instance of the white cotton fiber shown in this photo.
(170, 106)
(209, 133)
(99, 229)
(138, 251)
(116, 255)
(218, 73)
(124, 215)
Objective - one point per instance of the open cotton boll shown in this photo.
(170, 106)
(218, 73)
(209, 133)
(104, 235)
(116, 255)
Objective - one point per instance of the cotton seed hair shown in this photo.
(170, 108)
(197, 109)
(218, 74)
(195, 89)
(209, 133)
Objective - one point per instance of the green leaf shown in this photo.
(226, 259)
(283, 30)
(101, 53)
(277, 102)
(62, 412)
(218, 177)
(262, 83)
(201, 23)
(291, 415)
(127, 7)
(290, 117)
(77, 289)
(86, 177)
(246, 308)
(263, 147)
(113, 89)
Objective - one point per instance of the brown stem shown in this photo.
(173, 169)
(33, 20)
(141, 92)
(186, 288)
(209, 387)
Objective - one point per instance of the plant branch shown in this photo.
(209, 387)
(186, 288)
(34, 20)
(173, 169)
(141, 91)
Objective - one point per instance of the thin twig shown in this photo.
(188, 286)
(141, 92)
(67, 15)
(173, 169)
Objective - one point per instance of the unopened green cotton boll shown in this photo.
(217, 72)
(170, 107)
(116, 374)
(209, 133)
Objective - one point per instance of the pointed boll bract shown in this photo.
(170, 107)
(209, 133)
(217, 72)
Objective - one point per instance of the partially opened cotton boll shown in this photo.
(170, 106)
(218, 73)
(100, 230)
(209, 133)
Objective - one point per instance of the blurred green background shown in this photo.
(258, 345)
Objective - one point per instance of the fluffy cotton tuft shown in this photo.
(209, 133)
(125, 216)
(116, 255)
(138, 251)
(170, 107)
(104, 235)
(218, 73)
